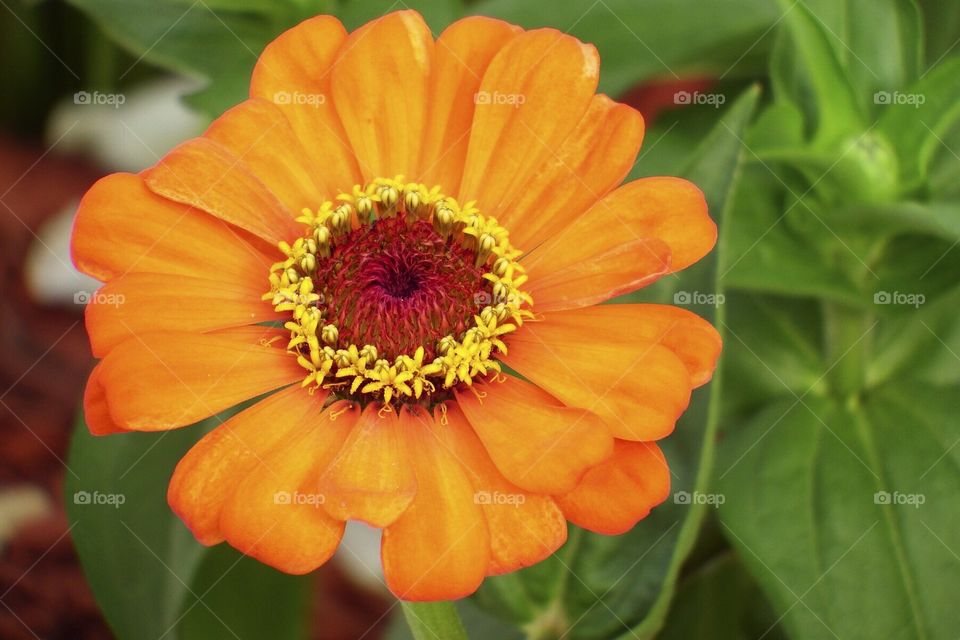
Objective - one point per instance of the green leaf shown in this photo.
(639, 40)
(941, 25)
(879, 43)
(922, 343)
(233, 596)
(844, 513)
(807, 67)
(781, 245)
(138, 557)
(586, 589)
(773, 349)
(719, 601)
(181, 36)
(916, 118)
(918, 297)
(940, 219)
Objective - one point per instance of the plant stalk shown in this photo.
(433, 620)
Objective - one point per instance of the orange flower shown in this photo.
(385, 225)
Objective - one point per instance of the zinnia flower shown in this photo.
(397, 246)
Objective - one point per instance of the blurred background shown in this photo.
(816, 479)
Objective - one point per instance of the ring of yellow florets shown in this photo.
(358, 371)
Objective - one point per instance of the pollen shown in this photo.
(397, 293)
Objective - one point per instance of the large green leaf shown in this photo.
(721, 602)
(666, 38)
(233, 596)
(149, 575)
(773, 349)
(587, 589)
(845, 512)
(138, 557)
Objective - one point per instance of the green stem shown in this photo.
(847, 347)
(434, 620)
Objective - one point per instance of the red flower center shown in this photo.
(399, 286)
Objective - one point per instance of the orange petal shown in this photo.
(588, 265)
(142, 302)
(594, 159)
(122, 227)
(524, 527)
(536, 442)
(258, 134)
(371, 479)
(461, 56)
(669, 209)
(690, 337)
(169, 379)
(293, 72)
(96, 414)
(618, 493)
(639, 388)
(205, 175)
(380, 89)
(535, 91)
(439, 549)
(211, 471)
(275, 513)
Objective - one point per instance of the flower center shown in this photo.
(398, 293)
(399, 286)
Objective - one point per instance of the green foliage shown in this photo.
(839, 509)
